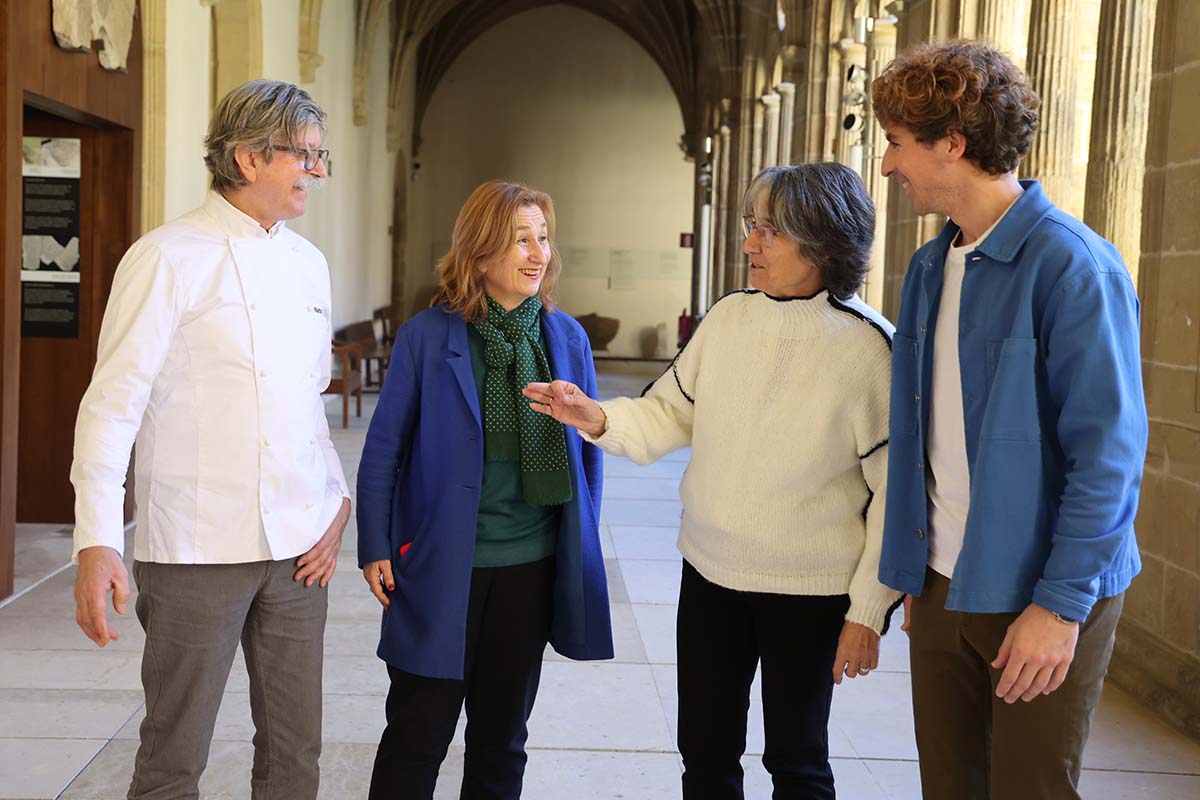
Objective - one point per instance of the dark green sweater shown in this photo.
(509, 531)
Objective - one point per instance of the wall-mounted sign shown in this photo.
(687, 240)
(50, 238)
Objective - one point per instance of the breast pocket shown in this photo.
(1012, 409)
(905, 384)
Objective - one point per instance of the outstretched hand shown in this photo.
(568, 404)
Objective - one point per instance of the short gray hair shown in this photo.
(256, 115)
(824, 207)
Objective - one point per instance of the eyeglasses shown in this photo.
(766, 233)
(311, 157)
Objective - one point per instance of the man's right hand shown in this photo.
(907, 614)
(378, 575)
(101, 571)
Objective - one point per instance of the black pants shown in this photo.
(722, 635)
(508, 623)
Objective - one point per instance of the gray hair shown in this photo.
(825, 208)
(256, 115)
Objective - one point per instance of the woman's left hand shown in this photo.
(857, 652)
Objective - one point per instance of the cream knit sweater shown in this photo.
(785, 405)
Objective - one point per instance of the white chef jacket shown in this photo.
(213, 354)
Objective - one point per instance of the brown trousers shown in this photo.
(973, 745)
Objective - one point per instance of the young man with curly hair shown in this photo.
(1018, 434)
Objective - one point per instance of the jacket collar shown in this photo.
(235, 223)
(562, 342)
(1006, 240)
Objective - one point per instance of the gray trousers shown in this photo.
(194, 616)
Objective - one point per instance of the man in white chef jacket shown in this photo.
(213, 353)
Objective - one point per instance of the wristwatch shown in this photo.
(1063, 619)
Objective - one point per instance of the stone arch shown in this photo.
(676, 56)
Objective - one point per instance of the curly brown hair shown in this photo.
(966, 87)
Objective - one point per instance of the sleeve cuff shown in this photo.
(1069, 605)
(872, 611)
(84, 541)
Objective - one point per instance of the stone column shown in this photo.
(770, 155)
(1000, 22)
(787, 114)
(1120, 118)
(1052, 57)
(310, 36)
(835, 81)
(805, 51)
(755, 132)
(238, 38)
(881, 49)
(154, 112)
(725, 154)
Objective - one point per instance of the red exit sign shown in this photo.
(687, 239)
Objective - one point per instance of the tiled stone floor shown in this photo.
(69, 711)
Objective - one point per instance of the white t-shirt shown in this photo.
(948, 476)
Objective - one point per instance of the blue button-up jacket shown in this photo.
(419, 482)
(1054, 414)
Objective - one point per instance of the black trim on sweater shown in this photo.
(783, 299)
(840, 306)
(671, 366)
(887, 615)
(678, 383)
(873, 449)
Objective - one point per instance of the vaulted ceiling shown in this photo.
(700, 45)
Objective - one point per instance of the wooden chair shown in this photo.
(347, 377)
(384, 315)
(375, 356)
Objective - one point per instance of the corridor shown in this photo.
(70, 711)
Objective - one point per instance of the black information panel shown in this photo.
(50, 238)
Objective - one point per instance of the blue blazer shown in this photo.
(419, 482)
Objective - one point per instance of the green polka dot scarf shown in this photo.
(512, 431)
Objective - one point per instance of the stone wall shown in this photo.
(1158, 644)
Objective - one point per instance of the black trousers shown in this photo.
(722, 636)
(508, 624)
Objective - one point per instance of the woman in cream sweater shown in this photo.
(782, 395)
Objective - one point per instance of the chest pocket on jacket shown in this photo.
(1012, 408)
